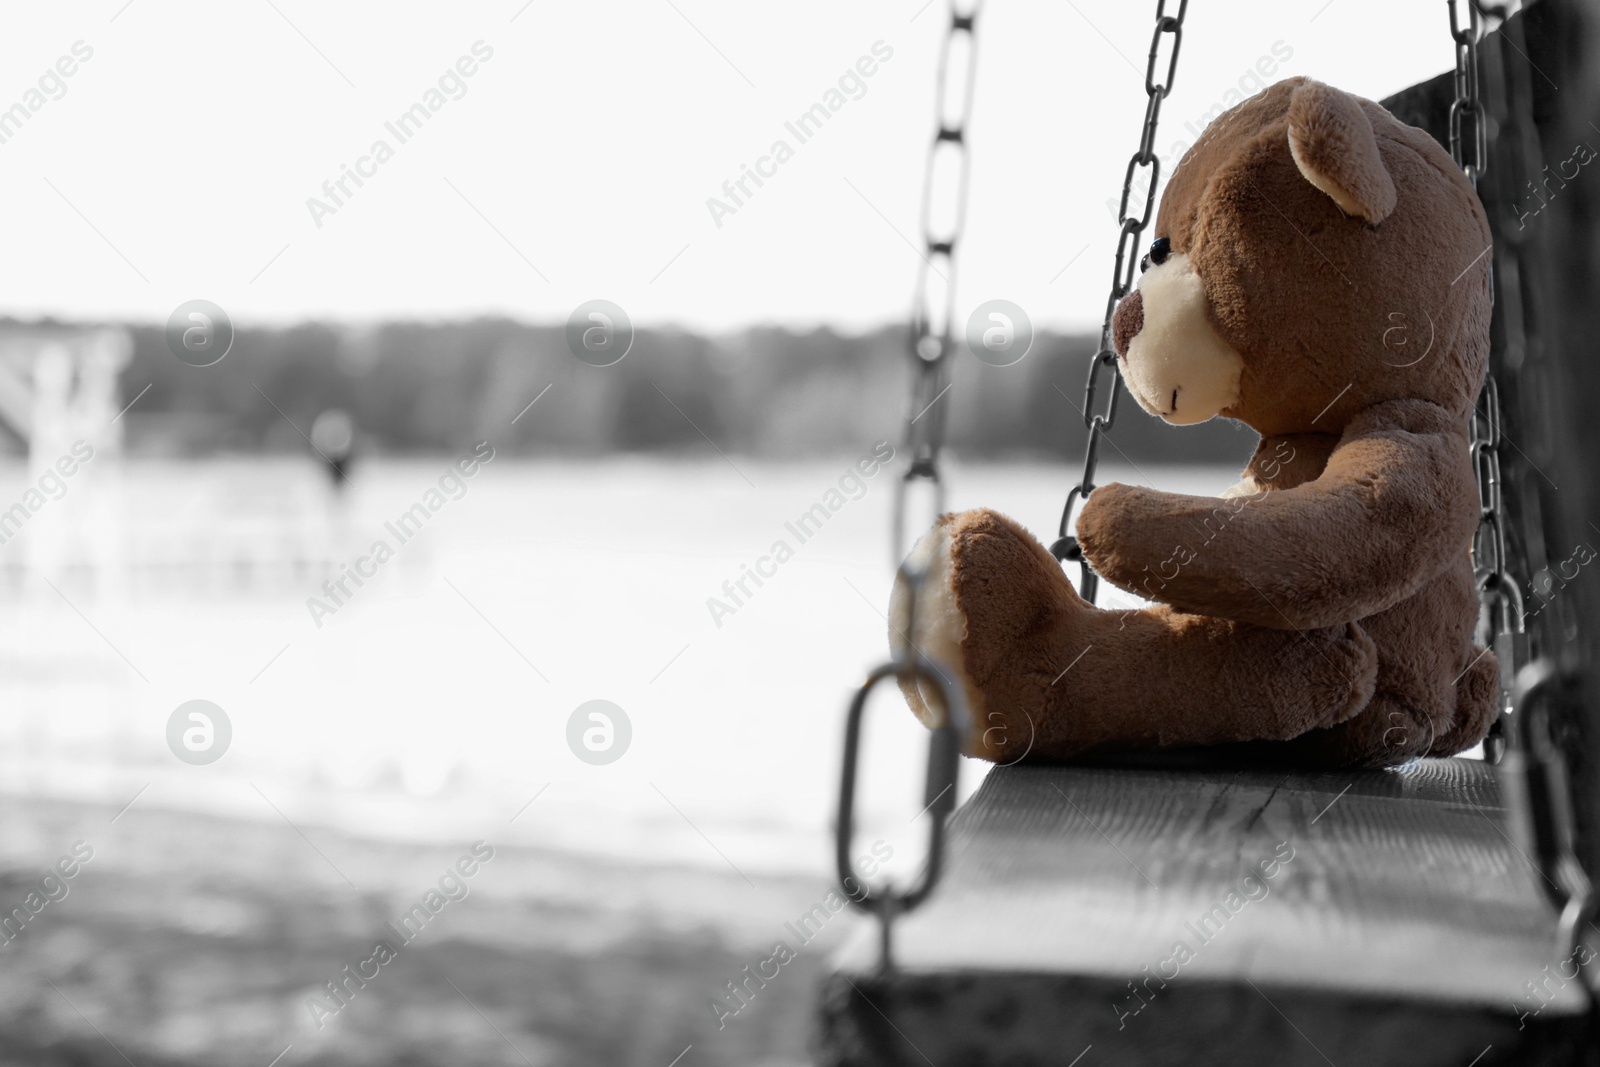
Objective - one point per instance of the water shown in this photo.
(431, 703)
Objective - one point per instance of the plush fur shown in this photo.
(1326, 604)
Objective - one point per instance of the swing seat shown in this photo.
(1399, 925)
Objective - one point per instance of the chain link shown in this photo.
(1500, 624)
(1535, 782)
(1468, 104)
(1104, 363)
(951, 724)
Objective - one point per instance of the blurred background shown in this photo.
(174, 532)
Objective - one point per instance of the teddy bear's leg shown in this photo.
(1477, 705)
(1047, 673)
(1407, 719)
(1397, 726)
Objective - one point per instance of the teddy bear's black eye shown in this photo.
(1160, 249)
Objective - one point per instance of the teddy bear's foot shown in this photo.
(992, 606)
(929, 618)
(1049, 675)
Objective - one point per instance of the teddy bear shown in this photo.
(1323, 609)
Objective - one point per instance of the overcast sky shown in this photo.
(575, 162)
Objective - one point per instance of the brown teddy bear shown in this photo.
(1327, 601)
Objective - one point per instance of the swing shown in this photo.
(1177, 909)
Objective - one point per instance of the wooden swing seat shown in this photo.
(1406, 927)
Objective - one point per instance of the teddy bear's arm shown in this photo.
(1393, 508)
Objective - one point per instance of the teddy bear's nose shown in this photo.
(1126, 322)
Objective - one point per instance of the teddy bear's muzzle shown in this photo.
(1126, 322)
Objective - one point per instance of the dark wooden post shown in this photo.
(1550, 393)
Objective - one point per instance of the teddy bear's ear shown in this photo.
(1333, 145)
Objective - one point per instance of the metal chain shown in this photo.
(1520, 356)
(942, 219)
(1500, 623)
(932, 342)
(1468, 102)
(1104, 363)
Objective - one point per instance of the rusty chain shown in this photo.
(1104, 364)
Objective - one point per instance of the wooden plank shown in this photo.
(1397, 912)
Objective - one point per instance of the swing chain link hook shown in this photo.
(1535, 781)
(939, 791)
(931, 345)
(1104, 364)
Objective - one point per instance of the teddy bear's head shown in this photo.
(1313, 256)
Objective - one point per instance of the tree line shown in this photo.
(766, 391)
